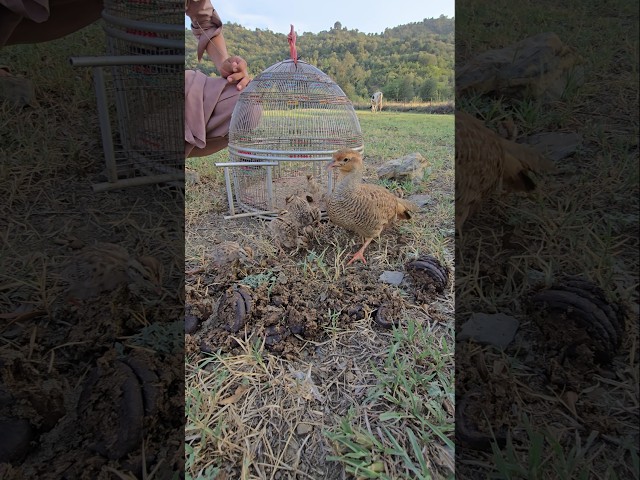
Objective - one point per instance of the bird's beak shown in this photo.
(332, 164)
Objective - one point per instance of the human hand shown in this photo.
(234, 69)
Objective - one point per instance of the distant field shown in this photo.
(417, 107)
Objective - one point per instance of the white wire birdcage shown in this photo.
(145, 82)
(286, 125)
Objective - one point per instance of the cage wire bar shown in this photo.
(286, 125)
(142, 75)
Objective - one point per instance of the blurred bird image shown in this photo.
(104, 267)
(225, 255)
(314, 188)
(303, 209)
(362, 208)
(292, 227)
(486, 162)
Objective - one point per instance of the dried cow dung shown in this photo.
(109, 392)
(275, 334)
(383, 318)
(190, 324)
(469, 418)
(234, 308)
(124, 389)
(428, 273)
(583, 303)
(295, 321)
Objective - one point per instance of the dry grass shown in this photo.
(353, 401)
(50, 157)
(359, 401)
(582, 221)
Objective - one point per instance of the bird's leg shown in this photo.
(359, 255)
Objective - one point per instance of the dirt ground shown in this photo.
(292, 299)
(561, 400)
(306, 312)
(293, 295)
(89, 389)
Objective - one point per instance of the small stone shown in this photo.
(18, 91)
(556, 145)
(421, 200)
(303, 428)
(391, 277)
(404, 168)
(535, 277)
(490, 329)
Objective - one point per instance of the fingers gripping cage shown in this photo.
(286, 125)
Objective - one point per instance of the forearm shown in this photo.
(217, 51)
(207, 27)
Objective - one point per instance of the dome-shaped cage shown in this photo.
(286, 125)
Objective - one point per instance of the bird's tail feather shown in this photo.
(405, 209)
(518, 162)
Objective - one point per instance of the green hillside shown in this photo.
(409, 62)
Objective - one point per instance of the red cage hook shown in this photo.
(291, 38)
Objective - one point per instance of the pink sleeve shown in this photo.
(205, 22)
(35, 10)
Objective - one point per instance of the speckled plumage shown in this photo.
(313, 187)
(106, 266)
(303, 210)
(362, 208)
(290, 229)
(287, 233)
(485, 162)
(227, 253)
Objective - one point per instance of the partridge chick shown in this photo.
(362, 208)
(106, 266)
(287, 232)
(303, 211)
(225, 254)
(292, 228)
(313, 187)
(485, 161)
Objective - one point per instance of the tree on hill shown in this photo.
(404, 62)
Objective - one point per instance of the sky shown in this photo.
(369, 16)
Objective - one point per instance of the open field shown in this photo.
(347, 397)
(415, 107)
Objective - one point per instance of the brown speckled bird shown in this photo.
(362, 208)
(292, 227)
(287, 233)
(313, 187)
(226, 254)
(303, 209)
(485, 162)
(104, 267)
